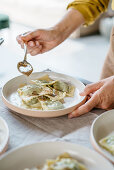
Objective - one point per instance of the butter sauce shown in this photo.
(25, 68)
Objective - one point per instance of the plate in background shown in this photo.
(102, 127)
(4, 135)
(12, 101)
(36, 155)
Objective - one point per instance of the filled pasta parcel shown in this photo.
(45, 93)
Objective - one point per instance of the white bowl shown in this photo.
(4, 135)
(36, 155)
(102, 127)
(12, 101)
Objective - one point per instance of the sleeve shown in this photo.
(90, 9)
(112, 4)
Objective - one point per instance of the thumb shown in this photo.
(29, 36)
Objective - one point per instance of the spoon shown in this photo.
(24, 67)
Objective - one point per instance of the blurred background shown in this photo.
(82, 54)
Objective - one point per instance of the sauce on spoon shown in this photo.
(24, 67)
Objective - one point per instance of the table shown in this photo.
(26, 130)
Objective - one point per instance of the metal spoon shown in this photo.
(24, 67)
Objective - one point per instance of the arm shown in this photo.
(71, 21)
(40, 41)
(80, 12)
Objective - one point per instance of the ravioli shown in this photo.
(45, 77)
(64, 87)
(71, 91)
(31, 101)
(45, 93)
(56, 96)
(44, 81)
(108, 143)
(51, 105)
(29, 90)
(62, 162)
(61, 86)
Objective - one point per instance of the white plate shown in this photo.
(4, 135)
(102, 127)
(12, 100)
(36, 154)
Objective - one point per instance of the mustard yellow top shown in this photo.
(90, 9)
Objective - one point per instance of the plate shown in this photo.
(36, 154)
(12, 101)
(102, 127)
(4, 135)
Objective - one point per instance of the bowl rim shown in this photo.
(7, 137)
(50, 143)
(93, 139)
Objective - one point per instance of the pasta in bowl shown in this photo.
(62, 162)
(45, 93)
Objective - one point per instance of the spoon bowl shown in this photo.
(25, 67)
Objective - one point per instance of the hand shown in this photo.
(40, 41)
(101, 95)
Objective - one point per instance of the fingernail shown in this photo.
(70, 116)
(37, 43)
(31, 44)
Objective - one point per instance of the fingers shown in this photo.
(89, 105)
(31, 44)
(20, 41)
(33, 47)
(29, 36)
(35, 50)
(91, 88)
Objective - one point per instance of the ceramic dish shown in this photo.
(12, 100)
(36, 154)
(4, 135)
(102, 127)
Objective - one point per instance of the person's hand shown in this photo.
(40, 41)
(101, 95)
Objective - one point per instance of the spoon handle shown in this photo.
(25, 49)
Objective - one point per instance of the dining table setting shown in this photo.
(36, 127)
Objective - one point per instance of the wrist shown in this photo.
(58, 34)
